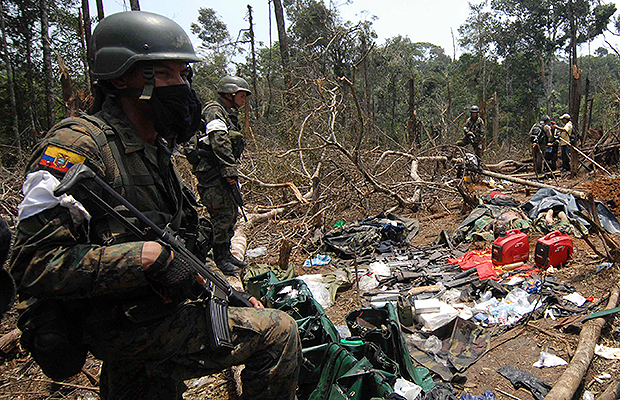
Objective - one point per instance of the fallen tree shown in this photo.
(566, 386)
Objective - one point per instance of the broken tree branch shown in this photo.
(576, 193)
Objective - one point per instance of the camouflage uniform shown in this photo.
(148, 347)
(224, 147)
(475, 126)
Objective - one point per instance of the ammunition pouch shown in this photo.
(53, 334)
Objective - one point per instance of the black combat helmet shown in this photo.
(120, 40)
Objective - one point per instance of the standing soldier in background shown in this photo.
(474, 133)
(565, 140)
(540, 134)
(214, 159)
(551, 152)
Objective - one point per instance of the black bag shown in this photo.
(538, 133)
(53, 334)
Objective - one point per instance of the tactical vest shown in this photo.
(128, 175)
(234, 130)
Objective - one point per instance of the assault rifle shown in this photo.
(215, 287)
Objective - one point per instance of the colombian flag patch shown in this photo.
(60, 159)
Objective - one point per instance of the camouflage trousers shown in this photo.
(222, 209)
(151, 362)
(477, 144)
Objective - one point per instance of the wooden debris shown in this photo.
(569, 382)
(612, 392)
(285, 253)
(9, 341)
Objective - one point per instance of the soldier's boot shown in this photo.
(236, 261)
(223, 259)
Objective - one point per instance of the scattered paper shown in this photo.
(575, 298)
(547, 360)
(609, 353)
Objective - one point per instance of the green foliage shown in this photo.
(210, 29)
(513, 48)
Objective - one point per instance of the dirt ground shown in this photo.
(20, 378)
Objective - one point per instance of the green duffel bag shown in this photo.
(293, 297)
(382, 327)
(258, 285)
(344, 377)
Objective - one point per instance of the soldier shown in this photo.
(551, 152)
(566, 137)
(540, 134)
(214, 158)
(91, 285)
(474, 133)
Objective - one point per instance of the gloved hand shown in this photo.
(176, 276)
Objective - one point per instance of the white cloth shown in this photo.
(216, 125)
(38, 189)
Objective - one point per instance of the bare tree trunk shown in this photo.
(84, 50)
(10, 83)
(87, 34)
(32, 100)
(412, 121)
(100, 13)
(549, 84)
(364, 65)
(135, 5)
(496, 119)
(574, 113)
(253, 55)
(584, 122)
(286, 60)
(47, 63)
(449, 111)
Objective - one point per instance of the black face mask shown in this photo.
(176, 112)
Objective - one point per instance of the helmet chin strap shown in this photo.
(149, 82)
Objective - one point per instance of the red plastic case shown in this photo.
(512, 248)
(554, 249)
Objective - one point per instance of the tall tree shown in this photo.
(87, 35)
(47, 63)
(253, 51)
(283, 42)
(9, 74)
(100, 13)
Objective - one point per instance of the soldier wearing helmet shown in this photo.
(474, 132)
(92, 285)
(214, 156)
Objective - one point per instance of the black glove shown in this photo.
(244, 295)
(176, 278)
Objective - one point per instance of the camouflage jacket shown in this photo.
(476, 127)
(221, 124)
(55, 257)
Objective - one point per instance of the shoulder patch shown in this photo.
(59, 158)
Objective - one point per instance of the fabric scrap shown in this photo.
(522, 379)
